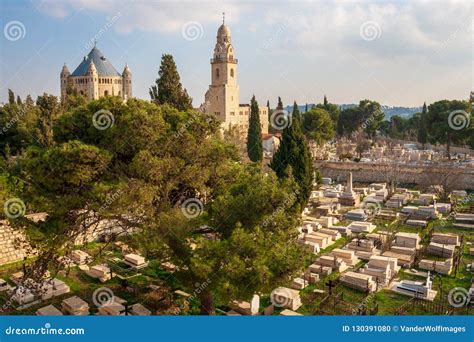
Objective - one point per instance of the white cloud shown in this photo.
(145, 15)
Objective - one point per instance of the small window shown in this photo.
(217, 73)
(231, 72)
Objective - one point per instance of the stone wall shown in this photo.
(409, 174)
(12, 244)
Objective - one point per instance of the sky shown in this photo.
(399, 53)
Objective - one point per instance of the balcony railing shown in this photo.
(223, 59)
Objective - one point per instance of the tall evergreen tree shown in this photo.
(296, 113)
(168, 88)
(293, 158)
(254, 134)
(422, 133)
(280, 104)
(306, 107)
(325, 101)
(11, 96)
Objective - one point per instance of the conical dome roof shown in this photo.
(103, 66)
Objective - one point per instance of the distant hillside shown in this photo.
(388, 110)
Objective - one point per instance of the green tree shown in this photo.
(318, 126)
(293, 158)
(11, 97)
(447, 123)
(168, 88)
(49, 110)
(332, 109)
(422, 133)
(254, 133)
(156, 158)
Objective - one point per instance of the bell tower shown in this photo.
(222, 97)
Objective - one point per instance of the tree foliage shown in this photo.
(294, 159)
(254, 134)
(168, 88)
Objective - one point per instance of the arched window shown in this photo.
(231, 72)
(106, 93)
(217, 73)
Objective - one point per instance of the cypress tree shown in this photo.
(325, 101)
(254, 134)
(280, 104)
(11, 97)
(422, 133)
(168, 88)
(293, 158)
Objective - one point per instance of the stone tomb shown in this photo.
(139, 310)
(359, 281)
(247, 308)
(441, 250)
(101, 272)
(345, 255)
(116, 307)
(49, 310)
(446, 239)
(286, 297)
(336, 264)
(409, 240)
(79, 257)
(135, 261)
(381, 268)
(75, 306)
(443, 267)
(416, 289)
(53, 288)
(361, 227)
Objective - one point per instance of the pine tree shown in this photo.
(325, 101)
(422, 133)
(254, 134)
(168, 88)
(293, 158)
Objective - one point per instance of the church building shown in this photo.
(222, 98)
(96, 77)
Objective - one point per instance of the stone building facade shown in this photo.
(96, 77)
(222, 98)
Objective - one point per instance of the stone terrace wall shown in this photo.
(11, 244)
(372, 172)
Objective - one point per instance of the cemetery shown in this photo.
(371, 250)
